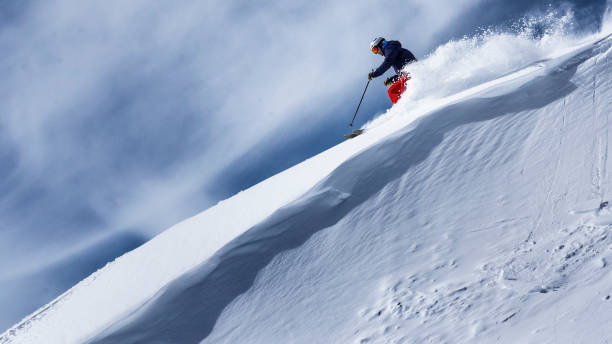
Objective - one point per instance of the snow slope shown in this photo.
(471, 216)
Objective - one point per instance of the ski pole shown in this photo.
(364, 91)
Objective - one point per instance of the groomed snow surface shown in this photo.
(475, 215)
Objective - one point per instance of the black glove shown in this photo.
(370, 76)
(390, 81)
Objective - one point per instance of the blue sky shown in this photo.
(119, 119)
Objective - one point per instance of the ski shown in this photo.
(355, 133)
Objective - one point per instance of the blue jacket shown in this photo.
(395, 56)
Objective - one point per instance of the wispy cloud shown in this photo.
(116, 101)
(124, 115)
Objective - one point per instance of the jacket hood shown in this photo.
(391, 45)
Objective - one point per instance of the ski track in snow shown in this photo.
(530, 272)
(398, 238)
(533, 270)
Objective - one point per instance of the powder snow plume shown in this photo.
(491, 53)
(486, 219)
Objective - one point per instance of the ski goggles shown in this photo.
(375, 50)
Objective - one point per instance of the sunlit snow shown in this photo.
(476, 214)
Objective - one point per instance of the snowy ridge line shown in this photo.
(232, 271)
(323, 206)
(185, 239)
(212, 282)
(510, 283)
(407, 110)
(36, 316)
(192, 228)
(42, 310)
(471, 61)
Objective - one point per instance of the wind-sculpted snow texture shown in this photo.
(480, 217)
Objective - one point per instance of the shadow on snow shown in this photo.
(186, 310)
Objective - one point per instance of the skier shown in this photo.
(397, 57)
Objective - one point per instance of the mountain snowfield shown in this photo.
(475, 210)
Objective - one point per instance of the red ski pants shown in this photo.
(396, 90)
